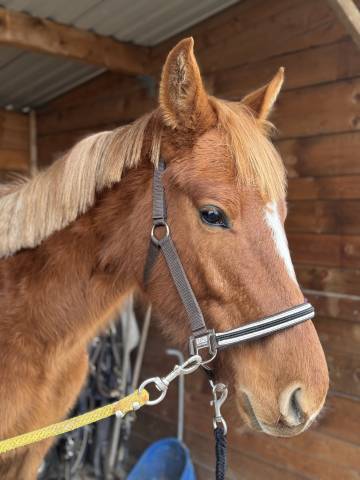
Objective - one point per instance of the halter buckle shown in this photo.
(201, 342)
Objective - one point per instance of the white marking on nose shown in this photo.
(272, 218)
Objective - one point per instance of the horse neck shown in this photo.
(72, 281)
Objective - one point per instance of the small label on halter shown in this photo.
(202, 342)
(205, 341)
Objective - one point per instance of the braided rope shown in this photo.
(125, 405)
(220, 451)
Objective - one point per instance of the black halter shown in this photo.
(203, 338)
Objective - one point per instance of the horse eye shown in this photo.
(213, 216)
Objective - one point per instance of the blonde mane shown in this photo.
(33, 210)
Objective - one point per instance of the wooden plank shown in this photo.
(97, 113)
(308, 454)
(311, 66)
(310, 111)
(341, 418)
(41, 35)
(321, 156)
(325, 250)
(17, 122)
(339, 280)
(107, 92)
(339, 335)
(14, 160)
(108, 84)
(332, 305)
(303, 112)
(344, 372)
(50, 147)
(349, 15)
(254, 31)
(338, 187)
(324, 216)
(14, 141)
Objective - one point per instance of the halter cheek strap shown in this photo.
(167, 247)
(203, 338)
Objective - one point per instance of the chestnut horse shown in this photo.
(74, 240)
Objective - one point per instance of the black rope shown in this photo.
(220, 451)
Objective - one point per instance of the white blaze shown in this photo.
(272, 218)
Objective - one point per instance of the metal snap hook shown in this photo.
(217, 402)
(162, 384)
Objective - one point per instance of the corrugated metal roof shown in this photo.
(30, 79)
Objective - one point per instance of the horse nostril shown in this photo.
(291, 410)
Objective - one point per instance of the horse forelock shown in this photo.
(256, 159)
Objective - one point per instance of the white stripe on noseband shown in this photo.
(272, 218)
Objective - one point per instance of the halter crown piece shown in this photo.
(202, 338)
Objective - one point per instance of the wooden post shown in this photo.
(33, 143)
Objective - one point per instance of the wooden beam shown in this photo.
(349, 15)
(45, 36)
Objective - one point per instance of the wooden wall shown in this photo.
(14, 142)
(318, 117)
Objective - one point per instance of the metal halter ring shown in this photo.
(159, 223)
(159, 384)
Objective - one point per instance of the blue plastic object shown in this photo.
(167, 459)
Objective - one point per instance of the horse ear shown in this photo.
(183, 100)
(262, 100)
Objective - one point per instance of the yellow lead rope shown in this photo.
(125, 405)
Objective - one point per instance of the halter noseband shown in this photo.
(202, 337)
